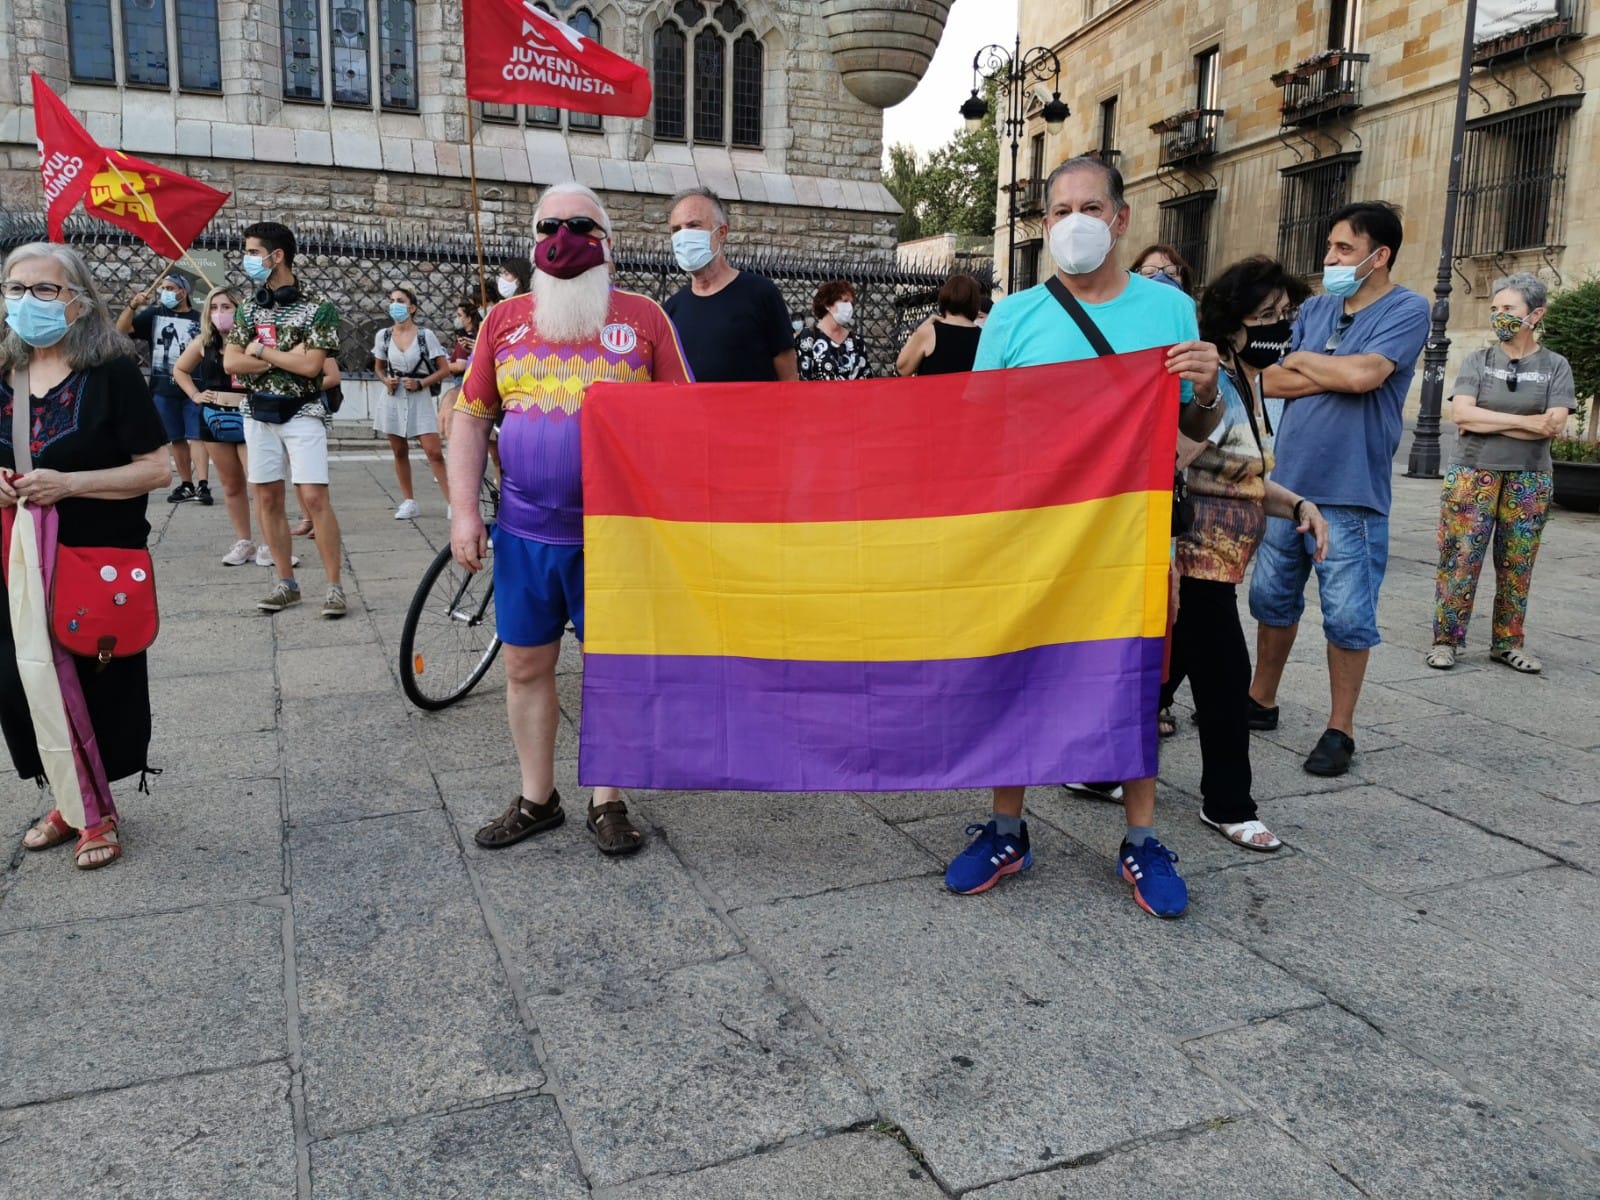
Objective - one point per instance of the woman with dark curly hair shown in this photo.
(831, 349)
(1245, 314)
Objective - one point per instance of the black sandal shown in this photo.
(613, 832)
(522, 820)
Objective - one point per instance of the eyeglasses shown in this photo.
(582, 226)
(1340, 328)
(1150, 272)
(13, 290)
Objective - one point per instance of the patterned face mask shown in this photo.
(1505, 325)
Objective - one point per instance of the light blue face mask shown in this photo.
(40, 323)
(398, 311)
(1342, 280)
(692, 249)
(168, 299)
(255, 268)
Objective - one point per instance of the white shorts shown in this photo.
(302, 441)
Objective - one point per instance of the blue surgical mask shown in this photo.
(168, 299)
(256, 269)
(398, 311)
(40, 323)
(1342, 280)
(692, 249)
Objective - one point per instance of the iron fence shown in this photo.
(356, 268)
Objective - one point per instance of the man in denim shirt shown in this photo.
(1350, 362)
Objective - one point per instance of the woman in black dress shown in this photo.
(98, 449)
(948, 343)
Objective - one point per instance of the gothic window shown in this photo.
(584, 22)
(89, 41)
(349, 52)
(720, 83)
(199, 46)
(397, 53)
(144, 42)
(302, 49)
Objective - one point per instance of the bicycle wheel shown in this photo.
(448, 642)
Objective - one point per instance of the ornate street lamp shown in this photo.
(1010, 72)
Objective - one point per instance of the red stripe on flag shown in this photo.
(941, 445)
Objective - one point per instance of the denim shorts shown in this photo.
(1347, 580)
(180, 417)
(538, 588)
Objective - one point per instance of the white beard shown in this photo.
(572, 310)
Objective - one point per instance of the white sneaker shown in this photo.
(264, 557)
(407, 511)
(243, 551)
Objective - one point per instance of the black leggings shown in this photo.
(1208, 646)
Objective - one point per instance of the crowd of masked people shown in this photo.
(1290, 418)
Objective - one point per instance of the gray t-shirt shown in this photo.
(1544, 381)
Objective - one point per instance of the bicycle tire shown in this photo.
(447, 604)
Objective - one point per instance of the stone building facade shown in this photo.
(1269, 116)
(354, 112)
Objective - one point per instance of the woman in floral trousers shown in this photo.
(1508, 402)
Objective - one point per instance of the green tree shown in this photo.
(1572, 330)
(953, 190)
(904, 181)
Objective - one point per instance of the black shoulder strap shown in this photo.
(1068, 301)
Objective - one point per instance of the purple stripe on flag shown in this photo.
(1081, 710)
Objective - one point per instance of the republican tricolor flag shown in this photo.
(946, 582)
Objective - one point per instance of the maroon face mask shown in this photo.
(567, 255)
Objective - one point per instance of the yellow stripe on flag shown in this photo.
(878, 591)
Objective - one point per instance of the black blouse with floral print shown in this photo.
(820, 357)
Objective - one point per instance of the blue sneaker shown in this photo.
(990, 856)
(1157, 887)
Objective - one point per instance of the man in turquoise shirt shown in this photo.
(1086, 218)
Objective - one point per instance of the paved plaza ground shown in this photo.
(305, 980)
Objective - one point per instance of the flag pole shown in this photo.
(127, 188)
(477, 223)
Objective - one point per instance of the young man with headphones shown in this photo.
(278, 345)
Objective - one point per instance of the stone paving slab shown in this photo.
(172, 861)
(187, 759)
(1243, 1159)
(991, 1055)
(228, 1134)
(752, 848)
(1519, 1036)
(402, 998)
(847, 1166)
(318, 672)
(513, 1150)
(666, 1074)
(90, 1010)
(898, 808)
(1394, 844)
(1385, 1119)
(1572, 776)
(220, 644)
(353, 756)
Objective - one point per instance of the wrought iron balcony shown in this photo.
(1539, 33)
(1030, 197)
(1188, 136)
(1112, 158)
(1324, 85)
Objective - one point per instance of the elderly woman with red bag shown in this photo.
(79, 597)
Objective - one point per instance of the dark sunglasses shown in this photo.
(1340, 328)
(583, 226)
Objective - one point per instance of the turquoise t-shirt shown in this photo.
(1031, 329)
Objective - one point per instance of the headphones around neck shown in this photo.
(267, 297)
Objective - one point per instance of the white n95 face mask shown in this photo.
(1079, 243)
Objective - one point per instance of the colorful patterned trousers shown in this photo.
(1509, 507)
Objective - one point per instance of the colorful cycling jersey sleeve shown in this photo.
(539, 387)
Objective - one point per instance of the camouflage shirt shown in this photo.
(310, 321)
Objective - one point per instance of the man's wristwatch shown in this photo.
(1295, 511)
(258, 351)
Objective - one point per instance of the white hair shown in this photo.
(92, 340)
(572, 187)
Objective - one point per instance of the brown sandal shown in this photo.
(53, 830)
(95, 839)
(522, 820)
(613, 832)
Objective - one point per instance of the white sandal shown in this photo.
(1441, 657)
(1517, 660)
(1244, 833)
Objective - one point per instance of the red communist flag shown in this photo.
(162, 208)
(517, 54)
(68, 156)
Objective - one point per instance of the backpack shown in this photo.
(424, 366)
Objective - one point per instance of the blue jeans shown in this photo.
(1347, 580)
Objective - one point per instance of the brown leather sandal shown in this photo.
(613, 832)
(52, 831)
(95, 838)
(522, 820)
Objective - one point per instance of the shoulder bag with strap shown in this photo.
(103, 598)
(424, 366)
(1182, 506)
